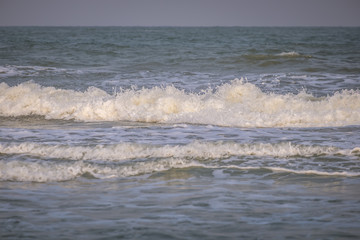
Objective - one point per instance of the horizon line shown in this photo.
(185, 26)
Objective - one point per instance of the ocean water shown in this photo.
(179, 133)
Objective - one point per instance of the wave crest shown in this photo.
(236, 104)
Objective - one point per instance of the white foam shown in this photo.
(50, 171)
(289, 54)
(45, 162)
(195, 150)
(236, 104)
(63, 171)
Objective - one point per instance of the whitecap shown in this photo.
(234, 104)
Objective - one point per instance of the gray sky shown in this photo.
(179, 12)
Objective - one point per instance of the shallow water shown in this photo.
(179, 133)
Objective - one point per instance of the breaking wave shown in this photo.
(63, 162)
(235, 104)
(196, 150)
(47, 171)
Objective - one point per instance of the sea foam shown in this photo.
(235, 104)
(61, 162)
(46, 171)
(289, 54)
(200, 150)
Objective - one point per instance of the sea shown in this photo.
(180, 133)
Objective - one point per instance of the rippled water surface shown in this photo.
(179, 133)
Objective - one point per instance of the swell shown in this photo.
(235, 104)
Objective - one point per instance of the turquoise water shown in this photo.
(179, 133)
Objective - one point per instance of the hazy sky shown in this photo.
(180, 12)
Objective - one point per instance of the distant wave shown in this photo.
(291, 54)
(236, 104)
(14, 70)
